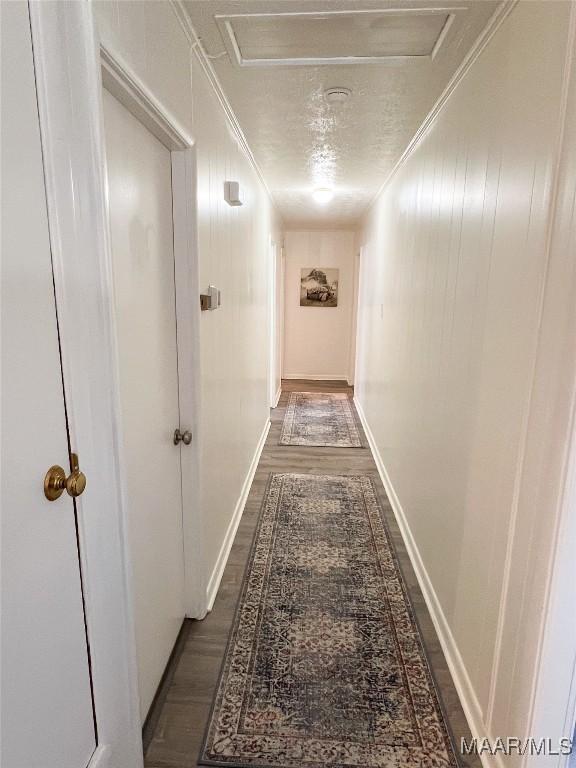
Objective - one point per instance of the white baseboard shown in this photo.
(218, 570)
(277, 397)
(464, 687)
(316, 376)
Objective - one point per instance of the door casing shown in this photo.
(138, 100)
(273, 395)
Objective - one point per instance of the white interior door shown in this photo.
(46, 704)
(140, 206)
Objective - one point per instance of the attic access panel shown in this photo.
(335, 37)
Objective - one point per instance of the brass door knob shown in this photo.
(76, 483)
(185, 437)
(56, 481)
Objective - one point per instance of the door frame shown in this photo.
(354, 317)
(281, 315)
(67, 61)
(273, 351)
(124, 85)
(358, 328)
(551, 470)
(554, 695)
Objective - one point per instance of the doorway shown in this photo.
(273, 323)
(151, 215)
(142, 235)
(276, 321)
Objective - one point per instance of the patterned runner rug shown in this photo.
(320, 419)
(325, 665)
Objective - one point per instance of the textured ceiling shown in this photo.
(300, 141)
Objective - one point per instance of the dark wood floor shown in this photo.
(184, 703)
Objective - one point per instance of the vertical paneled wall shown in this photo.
(453, 267)
(148, 38)
(234, 254)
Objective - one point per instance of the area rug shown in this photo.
(325, 667)
(320, 419)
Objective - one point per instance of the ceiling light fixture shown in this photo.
(323, 195)
(337, 95)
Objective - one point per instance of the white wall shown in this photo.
(148, 38)
(233, 255)
(317, 340)
(454, 262)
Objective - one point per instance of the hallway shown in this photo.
(177, 724)
(209, 206)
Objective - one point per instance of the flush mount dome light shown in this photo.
(323, 195)
(337, 95)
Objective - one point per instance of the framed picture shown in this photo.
(319, 287)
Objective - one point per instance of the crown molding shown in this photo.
(498, 17)
(196, 45)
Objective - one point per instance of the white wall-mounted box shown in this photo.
(232, 193)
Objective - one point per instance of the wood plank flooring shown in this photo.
(183, 705)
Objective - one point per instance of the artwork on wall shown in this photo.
(318, 287)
